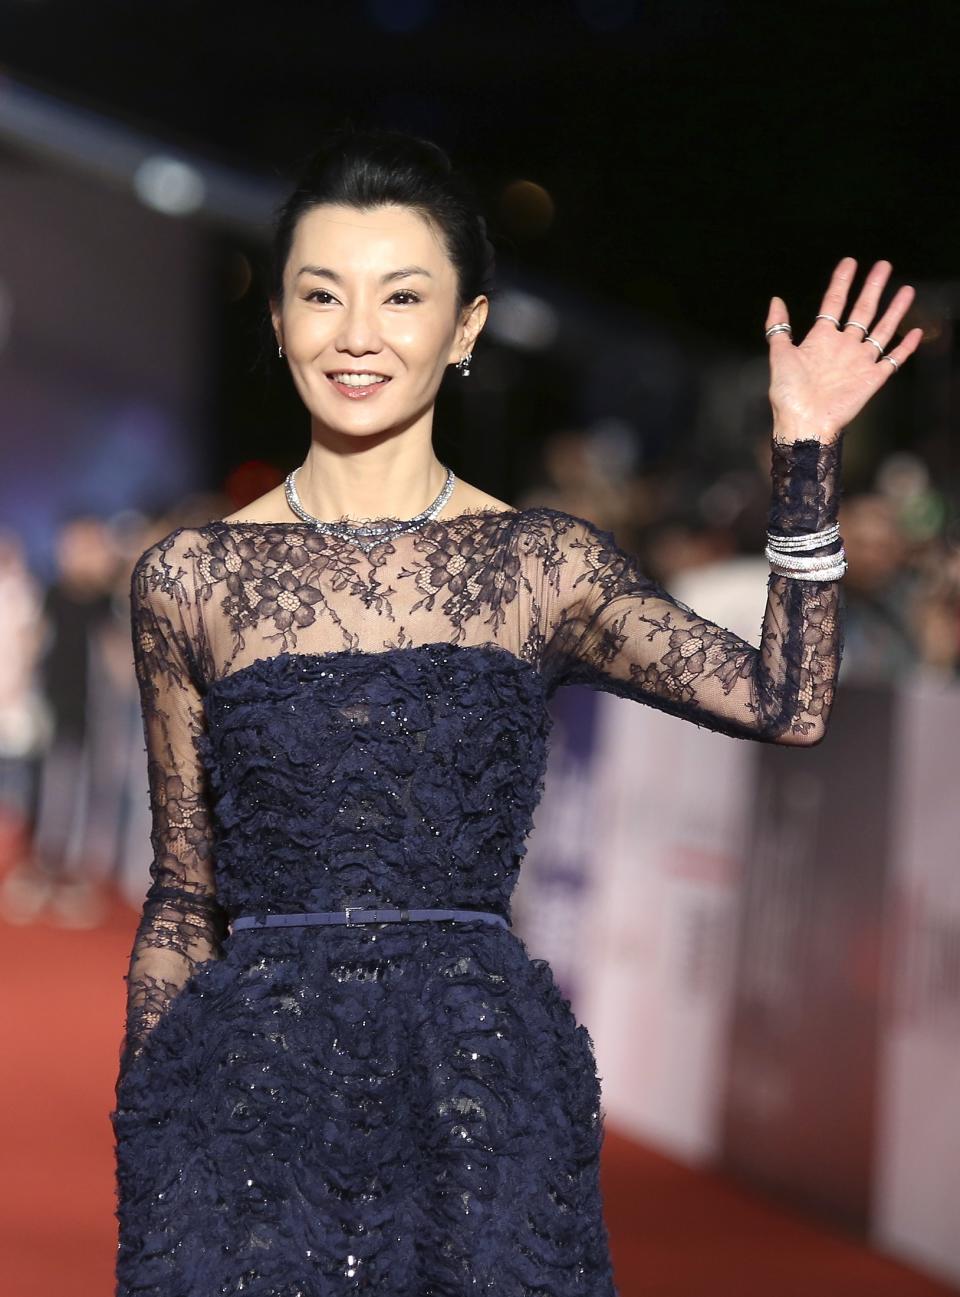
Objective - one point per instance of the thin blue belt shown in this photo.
(352, 915)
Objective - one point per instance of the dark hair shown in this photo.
(368, 168)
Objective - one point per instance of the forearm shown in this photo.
(801, 642)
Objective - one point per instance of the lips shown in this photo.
(365, 384)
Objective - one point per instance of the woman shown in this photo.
(342, 1070)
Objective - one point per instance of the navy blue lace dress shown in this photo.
(407, 1109)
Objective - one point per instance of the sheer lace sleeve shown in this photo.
(182, 923)
(611, 627)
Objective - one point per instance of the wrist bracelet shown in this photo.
(809, 540)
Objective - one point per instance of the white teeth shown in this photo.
(357, 380)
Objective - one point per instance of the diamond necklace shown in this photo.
(366, 537)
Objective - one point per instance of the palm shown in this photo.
(819, 385)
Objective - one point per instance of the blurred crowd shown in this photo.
(700, 532)
(74, 806)
(74, 798)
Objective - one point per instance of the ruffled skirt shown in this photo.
(410, 1113)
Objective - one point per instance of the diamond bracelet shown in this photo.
(786, 558)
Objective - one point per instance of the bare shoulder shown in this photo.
(266, 508)
(467, 497)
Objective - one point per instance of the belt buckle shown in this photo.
(348, 910)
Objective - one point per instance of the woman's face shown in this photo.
(369, 318)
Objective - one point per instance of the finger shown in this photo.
(835, 298)
(865, 307)
(778, 314)
(903, 351)
(889, 322)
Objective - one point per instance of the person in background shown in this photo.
(881, 643)
(24, 717)
(76, 608)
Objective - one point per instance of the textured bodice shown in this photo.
(402, 778)
(327, 726)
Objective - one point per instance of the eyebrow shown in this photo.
(325, 272)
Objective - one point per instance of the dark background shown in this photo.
(701, 155)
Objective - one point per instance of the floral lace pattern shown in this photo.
(182, 922)
(405, 1108)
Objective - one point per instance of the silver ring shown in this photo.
(777, 328)
(858, 325)
(894, 363)
(829, 317)
(878, 345)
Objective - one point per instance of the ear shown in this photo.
(275, 318)
(472, 319)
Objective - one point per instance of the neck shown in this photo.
(393, 478)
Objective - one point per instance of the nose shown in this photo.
(359, 333)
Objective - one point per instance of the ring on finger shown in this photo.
(894, 363)
(829, 317)
(878, 345)
(777, 328)
(858, 325)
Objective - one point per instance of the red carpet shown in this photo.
(675, 1232)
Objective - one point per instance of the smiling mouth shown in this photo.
(352, 378)
(358, 386)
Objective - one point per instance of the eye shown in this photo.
(407, 294)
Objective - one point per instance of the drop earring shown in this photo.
(464, 364)
(280, 350)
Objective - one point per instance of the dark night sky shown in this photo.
(701, 155)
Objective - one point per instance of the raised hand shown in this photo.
(819, 385)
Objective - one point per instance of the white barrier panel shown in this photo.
(553, 899)
(917, 1197)
(657, 984)
(799, 1112)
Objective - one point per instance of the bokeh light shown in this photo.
(526, 209)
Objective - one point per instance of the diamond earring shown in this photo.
(464, 364)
